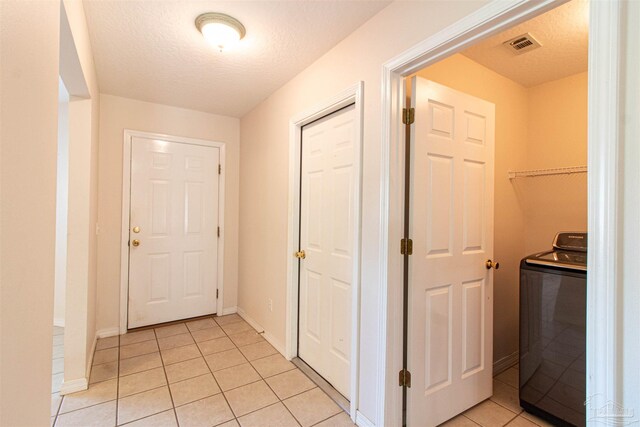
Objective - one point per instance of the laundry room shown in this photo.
(535, 74)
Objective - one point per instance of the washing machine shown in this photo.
(553, 307)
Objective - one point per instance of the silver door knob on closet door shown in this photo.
(492, 264)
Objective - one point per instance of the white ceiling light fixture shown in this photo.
(220, 30)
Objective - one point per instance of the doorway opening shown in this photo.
(540, 99)
(323, 281)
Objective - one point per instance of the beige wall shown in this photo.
(264, 179)
(117, 114)
(28, 138)
(540, 127)
(557, 137)
(512, 108)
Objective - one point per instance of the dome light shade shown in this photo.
(220, 30)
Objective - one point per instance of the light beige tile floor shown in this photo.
(215, 371)
(218, 371)
(502, 409)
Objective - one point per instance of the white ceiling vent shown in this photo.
(522, 44)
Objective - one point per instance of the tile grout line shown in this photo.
(235, 416)
(263, 379)
(88, 386)
(282, 401)
(117, 381)
(164, 370)
(328, 418)
(185, 345)
(504, 407)
(469, 419)
(90, 406)
(530, 420)
(55, 417)
(211, 372)
(279, 373)
(507, 423)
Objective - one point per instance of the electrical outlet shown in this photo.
(270, 304)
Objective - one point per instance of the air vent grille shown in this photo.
(522, 44)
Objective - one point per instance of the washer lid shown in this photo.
(571, 241)
(570, 260)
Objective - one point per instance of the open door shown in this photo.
(450, 337)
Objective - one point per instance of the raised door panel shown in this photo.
(438, 338)
(473, 212)
(194, 205)
(473, 329)
(194, 273)
(158, 281)
(439, 200)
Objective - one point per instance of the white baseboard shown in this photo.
(363, 421)
(267, 336)
(73, 386)
(505, 363)
(229, 310)
(108, 332)
(58, 321)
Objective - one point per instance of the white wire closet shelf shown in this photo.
(547, 172)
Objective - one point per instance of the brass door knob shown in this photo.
(301, 255)
(135, 242)
(492, 264)
(136, 229)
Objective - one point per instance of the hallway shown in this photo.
(208, 372)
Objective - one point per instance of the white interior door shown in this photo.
(174, 216)
(327, 222)
(451, 290)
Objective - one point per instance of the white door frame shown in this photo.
(126, 191)
(351, 95)
(606, 64)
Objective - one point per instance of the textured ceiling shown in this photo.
(563, 33)
(151, 50)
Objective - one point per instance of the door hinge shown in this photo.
(217, 293)
(218, 231)
(219, 169)
(404, 377)
(408, 116)
(406, 247)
